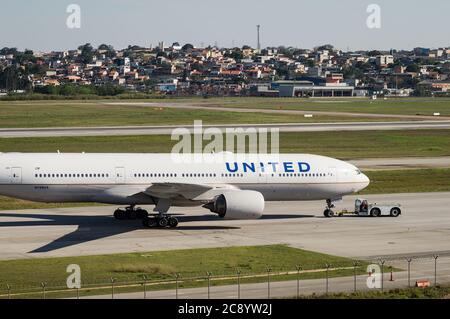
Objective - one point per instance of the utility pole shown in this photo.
(258, 43)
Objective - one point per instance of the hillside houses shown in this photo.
(188, 70)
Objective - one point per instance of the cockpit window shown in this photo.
(358, 172)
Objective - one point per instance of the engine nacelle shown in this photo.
(238, 205)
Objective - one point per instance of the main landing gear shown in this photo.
(329, 210)
(130, 213)
(160, 221)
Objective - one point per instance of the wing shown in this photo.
(194, 192)
(180, 191)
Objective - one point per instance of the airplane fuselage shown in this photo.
(111, 178)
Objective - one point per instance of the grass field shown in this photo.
(343, 145)
(406, 106)
(96, 113)
(408, 181)
(125, 268)
(67, 114)
(411, 293)
(8, 203)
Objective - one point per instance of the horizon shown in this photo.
(168, 45)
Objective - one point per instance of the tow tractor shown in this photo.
(364, 208)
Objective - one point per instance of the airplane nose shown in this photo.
(365, 181)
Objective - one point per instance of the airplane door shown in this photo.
(333, 174)
(262, 176)
(16, 175)
(120, 175)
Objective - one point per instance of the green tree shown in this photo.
(87, 53)
(412, 68)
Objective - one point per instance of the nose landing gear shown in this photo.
(328, 212)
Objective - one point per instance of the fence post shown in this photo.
(382, 262)
(112, 287)
(409, 260)
(268, 281)
(9, 290)
(355, 265)
(145, 286)
(435, 269)
(326, 281)
(238, 272)
(177, 276)
(209, 283)
(298, 280)
(43, 284)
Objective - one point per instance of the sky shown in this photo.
(40, 25)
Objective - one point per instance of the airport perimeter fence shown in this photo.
(390, 273)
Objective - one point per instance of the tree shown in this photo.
(187, 47)
(310, 63)
(110, 52)
(328, 47)
(103, 47)
(6, 51)
(374, 53)
(87, 53)
(13, 78)
(412, 68)
(236, 54)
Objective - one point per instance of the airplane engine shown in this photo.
(238, 205)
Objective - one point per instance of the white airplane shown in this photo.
(230, 187)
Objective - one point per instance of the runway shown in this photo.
(402, 163)
(423, 229)
(167, 130)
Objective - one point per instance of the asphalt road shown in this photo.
(167, 130)
(423, 229)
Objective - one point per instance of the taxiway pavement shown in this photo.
(424, 228)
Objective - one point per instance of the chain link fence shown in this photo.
(390, 273)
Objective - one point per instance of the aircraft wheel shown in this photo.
(141, 213)
(163, 222)
(328, 213)
(119, 214)
(149, 222)
(173, 222)
(131, 214)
